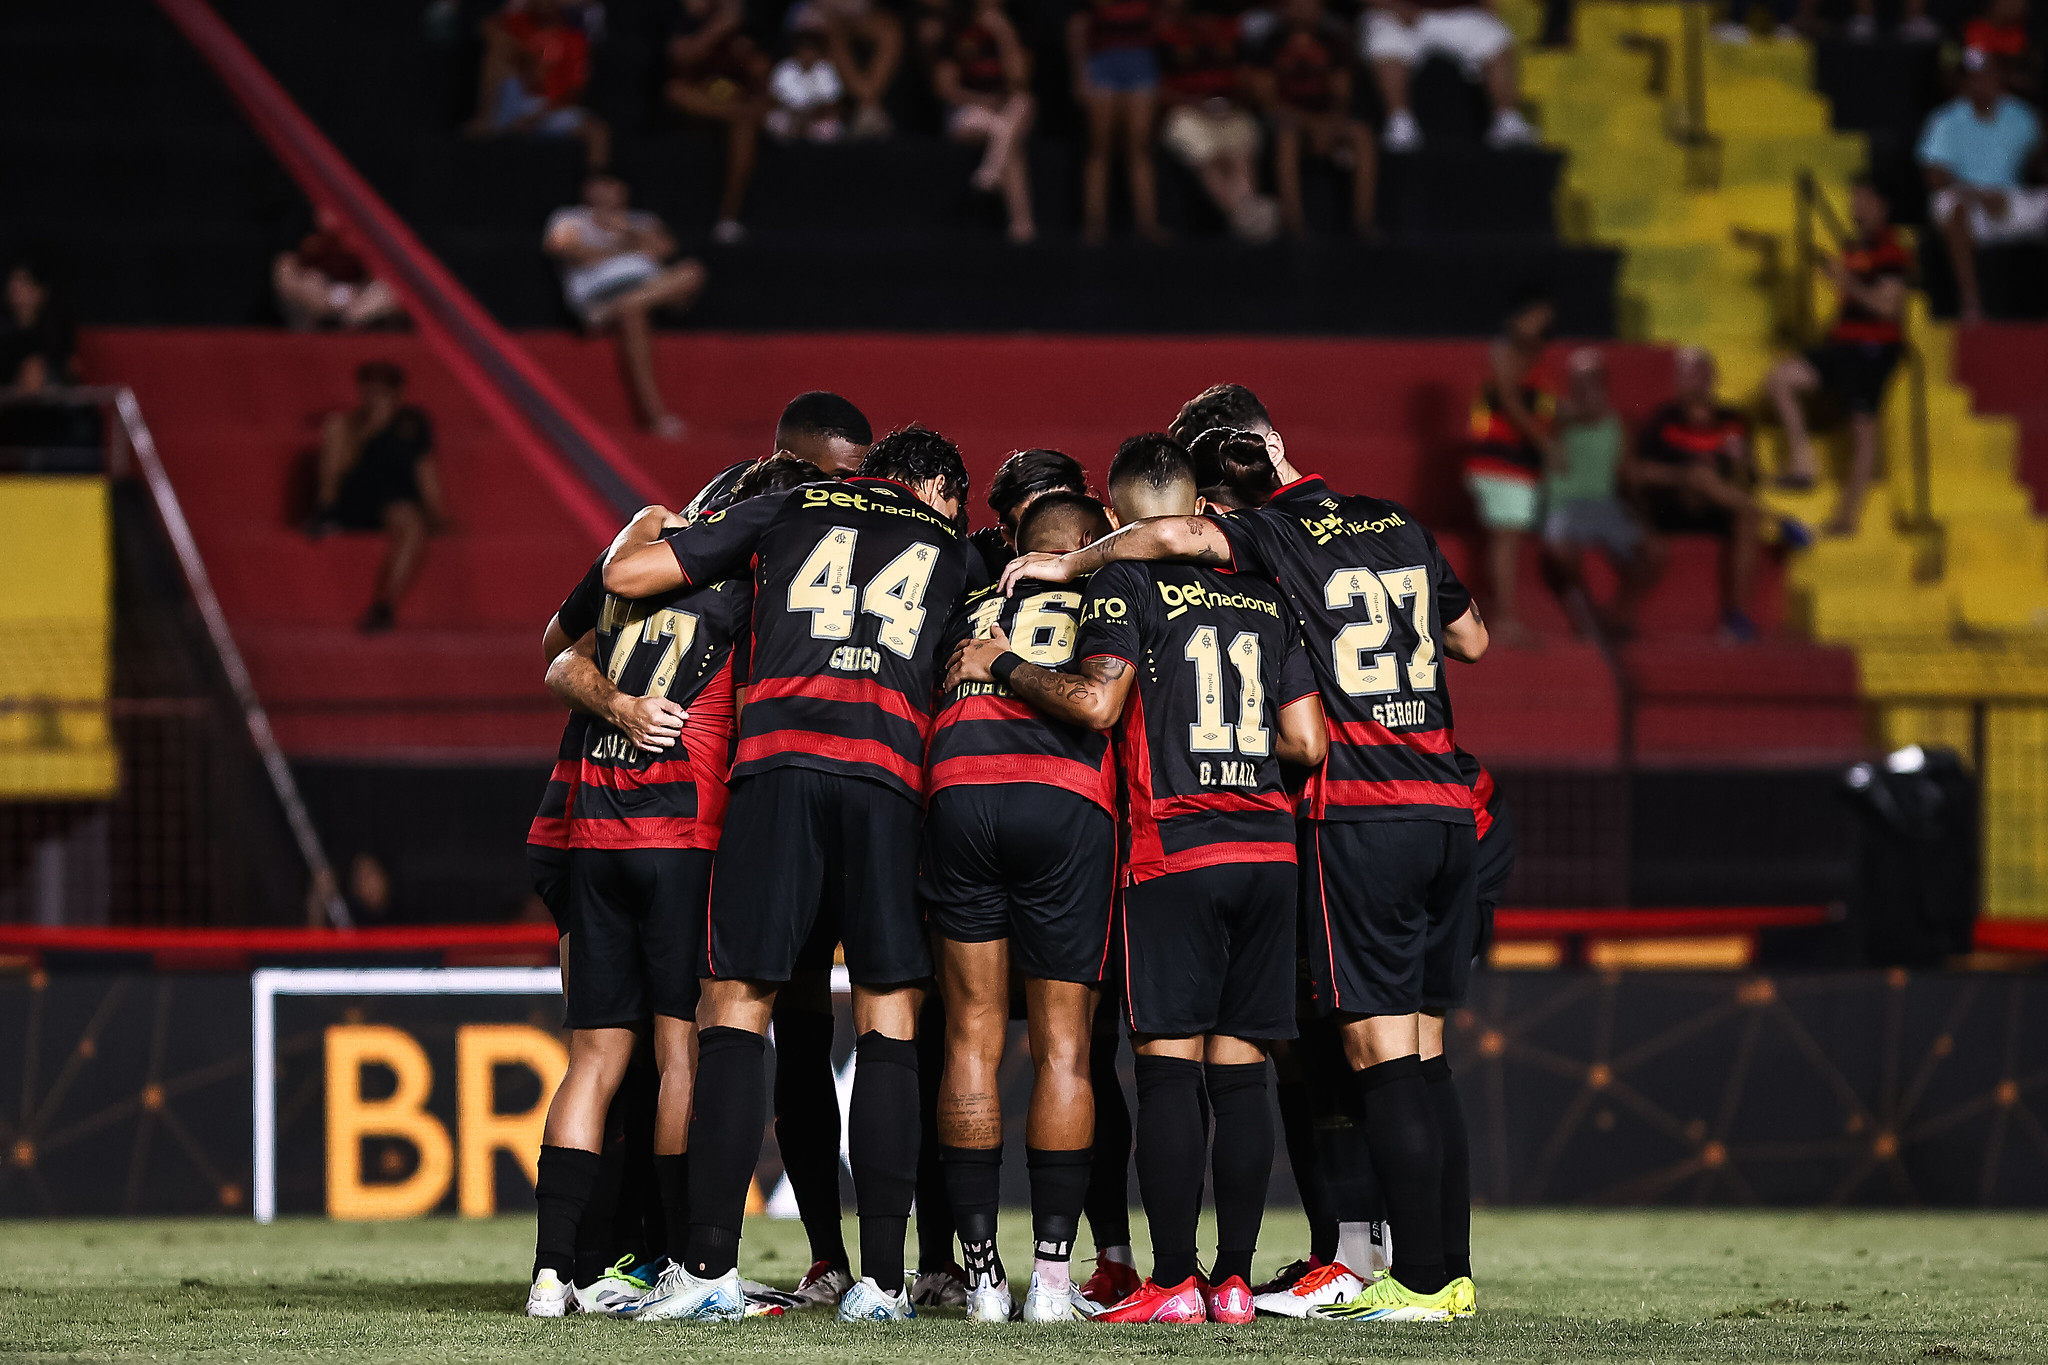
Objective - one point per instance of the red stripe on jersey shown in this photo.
(1482, 796)
(1210, 803)
(548, 831)
(646, 831)
(754, 748)
(1329, 942)
(986, 770)
(1215, 855)
(988, 706)
(855, 691)
(1148, 856)
(1342, 793)
(1372, 734)
(564, 770)
(620, 778)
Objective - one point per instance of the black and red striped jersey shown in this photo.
(983, 735)
(678, 645)
(857, 587)
(1484, 792)
(1372, 592)
(1216, 659)
(577, 616)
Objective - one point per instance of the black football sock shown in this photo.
(596, 1230)
(1400, 1127)
(1171, 1145)
(1108, 1202)
(1240, 1161)
(725, 1142)
(640, 1226)
(807, 1127)
(974, 1187)
(1450, 1127)
(883, 1142)
(1298, 1127)
(672, 1173)
(562, 1189)
(1059, 1184)
(934, 1206)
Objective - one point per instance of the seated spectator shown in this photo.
(1116, 81)
(865, 41)
(536, 63)
(720, 76)
(981, 72)
(1975, 153)
(1400, 35)
(377, 473)
(321, 283)
(1301, 74)
(1693, 474)
(1855, 360)
(805, 92)
(1583, 507)
(2000, 33)
(1784, 14)
(1511, 448)
(1208, 127)
(37, 340)
(616, 270)
(1914, 25)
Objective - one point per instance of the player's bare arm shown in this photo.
(653, 723)
(1465, 639)
(1304, 734)
(1195, 540)
(1092, 698)
(638, 564)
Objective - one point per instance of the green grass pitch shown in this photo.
(1553, 1286)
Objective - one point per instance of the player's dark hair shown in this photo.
(1059, 511)
(382, 372)
(1243, 464)
(1153, 459)
(913, 455)
(1028, 473)
(819, 413)
(1220, 405)
(776, 474)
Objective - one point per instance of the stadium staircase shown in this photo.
(1944, 609)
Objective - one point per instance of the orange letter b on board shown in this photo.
(351, 1118)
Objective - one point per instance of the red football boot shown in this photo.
(1182, 1303)
(1112, 1283)
(1230, 1301)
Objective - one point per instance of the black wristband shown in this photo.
(1004, 665)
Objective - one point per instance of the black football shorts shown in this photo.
(636, 918)
(810, 857)
(1026, 862)
(1392, 913)
(1211, 950)
(549, 869)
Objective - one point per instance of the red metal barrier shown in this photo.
(573, 455)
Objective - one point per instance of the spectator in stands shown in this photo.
(1116, 80)
(1208, 127)
(536, 64)
(1855, 360)
(2000, 33)
(1511, 449)
(1583, 506)
(807, 97)
(1301, 75)
(1784, 14)
(1693, 473)
(1400, 35)
(1914, 25)
(1976, 152)
(37, 339)
(865, 41)
(720, 76)
(377, 473)
(616, 270)
(321, 283)
(981, 72)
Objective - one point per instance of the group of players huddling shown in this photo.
(1183, 767)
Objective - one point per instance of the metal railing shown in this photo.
(129, 451)
(1685, 106)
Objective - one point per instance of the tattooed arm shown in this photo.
(1191, 539)
(1092, 698)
